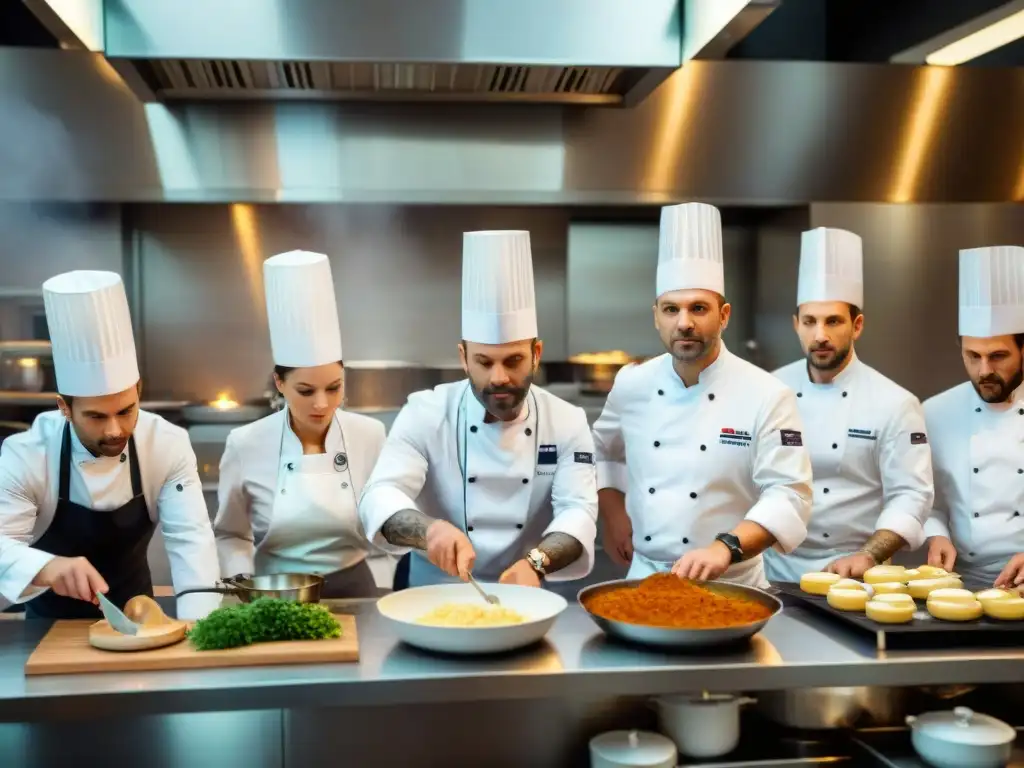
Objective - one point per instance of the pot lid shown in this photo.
(964, 726)
(701, 698)
(634, 748)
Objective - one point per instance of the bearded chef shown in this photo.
(701, 463)
(977, 429)
(290, 482)
(865, 433)
(82, 491)
(491, 475)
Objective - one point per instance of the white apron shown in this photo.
(314, 526)
(749, 573)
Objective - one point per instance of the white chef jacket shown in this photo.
(696, 461)
(259, 460)
(872, 465)
(507, 485)
(29, 476)
(978, 453)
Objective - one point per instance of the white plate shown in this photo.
(539, 607)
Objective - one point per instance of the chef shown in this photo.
(865, 434)
(82, 491)
(707, 447)
(492, 474)
(977, 429)
(290, 482)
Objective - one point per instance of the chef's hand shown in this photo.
(1013, 574)
(704, 564)
(520, 573)
(616, 529)
(450, 549)
(852, 566)
(941, 553)
(71, 577)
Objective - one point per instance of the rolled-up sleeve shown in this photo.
(188, 535)
(236, 549)
(574, 499)
(905, 462)
(399, 474)
(782, 473)
(20, 493)
(609, 443)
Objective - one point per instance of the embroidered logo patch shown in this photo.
(918, 438)
(862, 434)
(547, 454)
(737, 437)
(582, 457)
(791, 438)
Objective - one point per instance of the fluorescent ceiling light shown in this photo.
(979, 43)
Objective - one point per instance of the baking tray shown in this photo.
(923, 632)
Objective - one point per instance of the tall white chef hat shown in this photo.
(831, 267)
(690, 249)
(992, 291)
(498, 300)
(301, 309)
(91, 333)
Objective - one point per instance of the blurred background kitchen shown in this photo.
(182, 143)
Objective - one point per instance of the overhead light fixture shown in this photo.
(969, 40)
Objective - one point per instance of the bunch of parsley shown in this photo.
(262, 621)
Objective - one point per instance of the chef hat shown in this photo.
(690, 249)
(498, 301)
(992, 291)
(301, 309)
(91, 333)
(831, 267)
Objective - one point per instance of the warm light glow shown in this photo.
(224, 402)
(932, 87)
(243, 219)
(979, 43)
(678, 94)
(28, 362)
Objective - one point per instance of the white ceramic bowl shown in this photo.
(402, 609)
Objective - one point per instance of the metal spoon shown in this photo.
(492, 599)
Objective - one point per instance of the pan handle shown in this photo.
(219, 590)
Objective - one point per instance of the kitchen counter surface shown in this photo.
(796, 649)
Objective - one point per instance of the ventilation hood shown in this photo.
(556, 51)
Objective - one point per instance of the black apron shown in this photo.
(116, 542)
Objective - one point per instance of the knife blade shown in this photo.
(116, 618)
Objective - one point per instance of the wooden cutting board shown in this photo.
(65, 650)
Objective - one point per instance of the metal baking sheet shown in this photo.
(924, 631)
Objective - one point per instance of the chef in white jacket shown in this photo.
(290, 482)
(82, 491)
(706, 446)
(977, 429)
(490, 475)
(865, 433)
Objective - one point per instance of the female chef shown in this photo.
(289, 482)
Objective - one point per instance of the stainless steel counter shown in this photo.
(576, 660)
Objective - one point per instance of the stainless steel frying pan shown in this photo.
(294, 587)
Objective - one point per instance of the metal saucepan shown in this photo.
(827, 708)
(293, 587)
(672, 637)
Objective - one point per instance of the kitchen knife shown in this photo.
(116, 618)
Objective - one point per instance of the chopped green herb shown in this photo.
(262, 621)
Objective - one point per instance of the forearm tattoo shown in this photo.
(407, 528)
(562, 550)
(884, 544)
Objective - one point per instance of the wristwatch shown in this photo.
(733, 543)
(538, 561)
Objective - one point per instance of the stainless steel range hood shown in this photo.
(556, 51)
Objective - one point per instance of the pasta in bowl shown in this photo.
(452, 618)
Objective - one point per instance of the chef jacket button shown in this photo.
(650, 490)
(693, 494)
(282, 491)
(1020, 471)
(834, 446)
(344, 485)
(1020, 411)
(799, 394)
(703, 447)
(824, 535)
(529, 431)
(844, 394)
(970, 554)
(526, 480)
(519, 526)
(473, 428)
(685, 540)
(1016, 513)
(470, 529)
(976, 514)
(978, 409)
(711, 396)
(975, 470)
(825, 490)
(657, 443)
(124, 458)
(290, 466)
(661, 391)
(647, 538)
(472, 479)
(179, 487)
